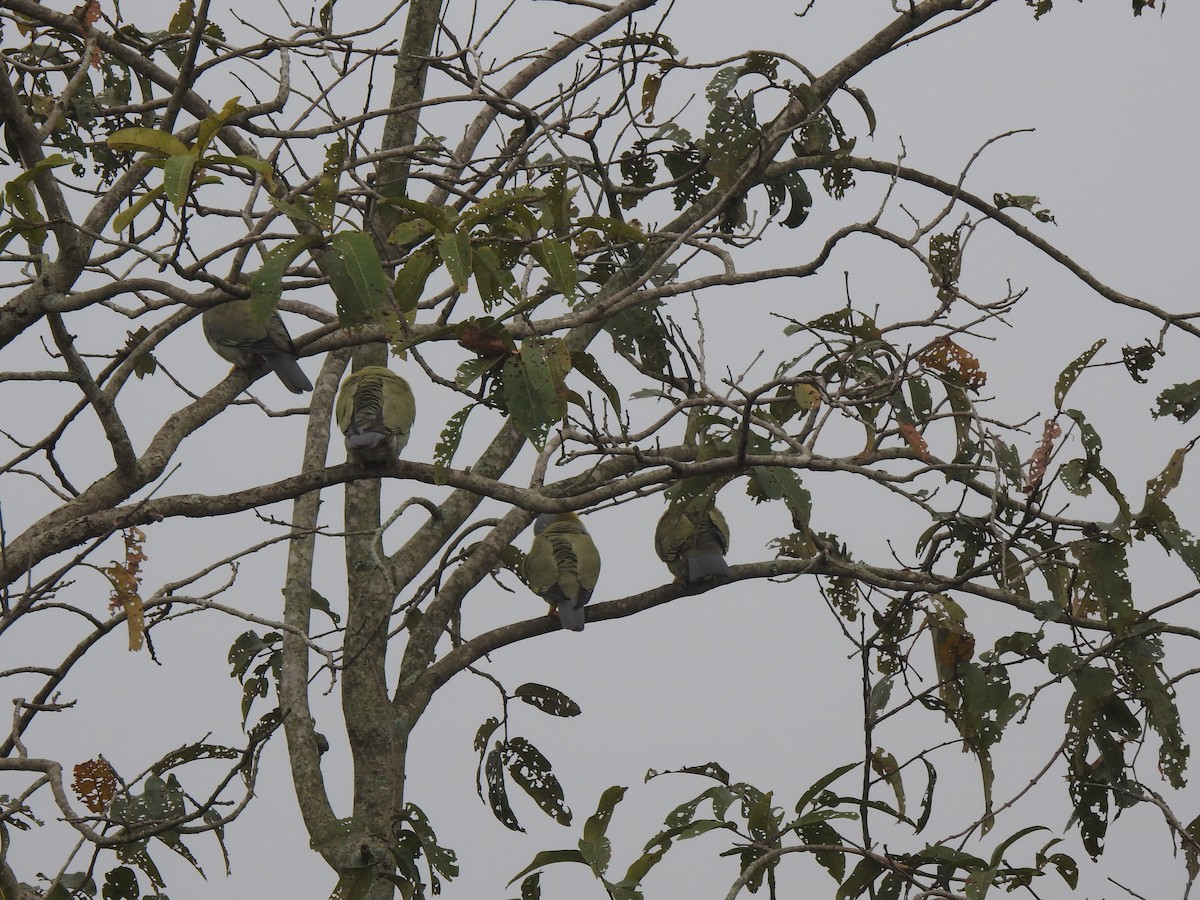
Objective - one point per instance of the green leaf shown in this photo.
(614, 229)
(979, 883)
(440, 858)
(868, 111)
(492, 278)
(889, 888)
(1069, 375)
(147, 140)
(266, 285)
(770, 483)
(885, 766)
(651, 39)
(353, 885)
(597, 824)
(1068, 869)
(556, 258)
(860, 879)
(410, 280)
(585, 364)
(1169, 478)
(455, 251)
(927, 799)
(209, 127)
(531, 771)
(531, 887)
(121, 883)
(533, 392)
(447, 445)
(122, 220)
(547, 699)
(831, 861)
(1027, 202)
(440, 217)
(177, 177)
(998, 853)
(318, 602)
(637, 331)
(251, 164)
(1181, 401)
(595, 845)
(493, 770)
(821, 784)
(1171, 534)
(548, 858)
(1105, 580)
(326, 192)
(357, 278)
(485, 732)
(472, 370)
(298, 211)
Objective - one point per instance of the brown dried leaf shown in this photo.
(1041, 457)
(952, 645)
(125, 580)
(95, 783)
(482, 344)
(916, 440)
(945, 356)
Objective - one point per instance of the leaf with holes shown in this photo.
(547, 699)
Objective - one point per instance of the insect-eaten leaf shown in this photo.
(357, 278)
(547, 699)
(534, 388)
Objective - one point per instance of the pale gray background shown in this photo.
(753, 676)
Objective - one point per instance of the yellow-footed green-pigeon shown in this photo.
(239, 334)
(562, 566)
(691, 538)
(375, 410)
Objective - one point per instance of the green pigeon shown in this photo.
(562, 566)
(237, 332)
(691, 538)
(375, 410)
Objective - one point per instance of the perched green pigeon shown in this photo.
(562, 566)
(237, 333)
(691, 538)
(375, 410)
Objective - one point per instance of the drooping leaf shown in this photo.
(177, 177)
(326, 192)
(548, 858)
(447, 445)
(497, 792)
(595, 846)
(357, 278)
(637, 331)
(534, 393)
(455, 251)
(266, 285)
(125, 217)
(863, 876)
(585, 364)
(410, 280)
(441, 859)
(885, 766)
(531, 771)
(556, 258)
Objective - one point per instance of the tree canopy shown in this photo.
(624, 276)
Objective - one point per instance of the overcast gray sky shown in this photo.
(753, 676)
